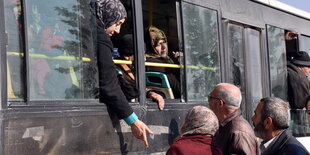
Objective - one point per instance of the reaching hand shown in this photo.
(139, 129)
(291, 35)
(176, 54)
(159, 99)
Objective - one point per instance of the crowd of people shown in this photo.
(201, 134)
(218, 130)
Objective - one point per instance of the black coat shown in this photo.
(298, 87)
(285, 144)
(110, 91)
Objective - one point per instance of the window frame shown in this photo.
(219, 46)
(138, 36)
(3, 58)
(247, 109)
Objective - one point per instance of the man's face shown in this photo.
(214, 102)
(258, 123)
(306, 70)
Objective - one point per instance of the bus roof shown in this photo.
(285, 7)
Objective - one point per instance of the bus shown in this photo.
(49, 74)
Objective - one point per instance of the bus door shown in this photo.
(243, 64)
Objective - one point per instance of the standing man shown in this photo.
(235, 135)
(271, 118)
(298, 85)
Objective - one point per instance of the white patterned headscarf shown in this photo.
(108, 12)
(200, 120)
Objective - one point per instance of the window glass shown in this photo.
(202, 51)
(254, 69)
(299, 121)
(304, 43)
(277, 62)
(235, 54)
(236, 72)
(244, 65)
(15, 65)
(162, 50)
(61, 50)
(236, 64)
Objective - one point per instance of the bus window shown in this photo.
(277, 62)
(124, 56)
(60, 48)
(236, 55)
(299, 122)
(304, 43)
(162, 46)
(15, 66)
(201, 46)
(244, 64)
(254, 68)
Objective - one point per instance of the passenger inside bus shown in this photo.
(157, 51)
(126, 52)
(298, 85)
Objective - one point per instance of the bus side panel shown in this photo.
(166, 126)
(69, 136)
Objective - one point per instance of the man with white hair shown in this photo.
(235, 134)
(271, 118)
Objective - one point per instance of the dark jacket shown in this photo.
(109, 89)
(285, 144)
(298, 87)
(194, 145)
(236, 136)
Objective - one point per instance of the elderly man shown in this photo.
(271, 118)
(235, 135)
(298, 85)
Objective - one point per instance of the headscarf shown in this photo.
(200, 120)
(108, 12)
(152, 36)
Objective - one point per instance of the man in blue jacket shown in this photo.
(270, 120)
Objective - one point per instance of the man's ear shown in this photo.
(222, 103)
(268, 123)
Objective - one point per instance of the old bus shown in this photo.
(49, 76)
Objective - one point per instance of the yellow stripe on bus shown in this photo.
(154, 64)
(34, 55)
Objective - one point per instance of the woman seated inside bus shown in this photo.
(157, 51)
(126, 52)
